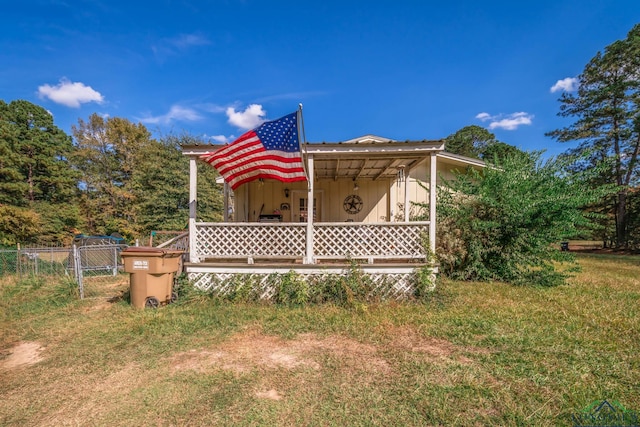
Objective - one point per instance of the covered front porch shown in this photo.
(357, 206)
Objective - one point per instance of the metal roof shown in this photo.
(368, 157)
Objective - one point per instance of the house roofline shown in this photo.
(355, 146)
(462, 159)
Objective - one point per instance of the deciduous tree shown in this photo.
(160, 183)
(108, 152)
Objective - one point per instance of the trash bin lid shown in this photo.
(149, 251)
(143, 249)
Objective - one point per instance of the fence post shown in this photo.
(115, 261)
(77, 266)
(18, 266)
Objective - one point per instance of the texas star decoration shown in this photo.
(352, 204)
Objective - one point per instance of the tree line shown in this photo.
(109, 176)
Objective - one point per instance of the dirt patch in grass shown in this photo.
(253, 350)
(435, 348)
(98, 305)
(21, 355)
(269, 394)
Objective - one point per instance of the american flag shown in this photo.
(270, 151)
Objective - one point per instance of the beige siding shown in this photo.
(383, 200)
(330, 196)
(372, 193)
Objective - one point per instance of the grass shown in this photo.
(473, 354)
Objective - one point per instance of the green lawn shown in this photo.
(474, 354)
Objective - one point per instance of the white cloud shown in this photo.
(219, 138)
(184, 41)
(174, 45)
(176, 113)
(71, 94)
(212, 108)
(251, 117)
(507, 122)
(569, 84)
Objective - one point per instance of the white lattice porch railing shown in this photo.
(335, 240)
(250, 240)
(384, 240)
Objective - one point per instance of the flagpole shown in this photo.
(302, 136)
(309, 256)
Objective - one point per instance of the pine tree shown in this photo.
(477, 142)
(607, 127)
(35, 173)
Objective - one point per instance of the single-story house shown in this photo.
(361, 193)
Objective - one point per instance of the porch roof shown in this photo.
(368, 157)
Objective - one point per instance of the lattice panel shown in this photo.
(224, 283)
(363, 240)
(250, 240)
(390, 286)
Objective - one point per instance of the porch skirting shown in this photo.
(389, 281)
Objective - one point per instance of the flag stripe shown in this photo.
(253, 177)
(262, 156)
(273, 168)
(234, 149)
(266, 165)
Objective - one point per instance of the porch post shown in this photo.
(407, 203)
(225, 207)
(309, 258)
(432, 202)
(193, 201)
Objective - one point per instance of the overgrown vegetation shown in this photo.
(505, 223)
(488, 354)
(352, 289)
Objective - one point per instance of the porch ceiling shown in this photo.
(367, 168)
(368, 158)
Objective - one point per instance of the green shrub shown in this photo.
(186, 292)
(244, 288)
(291, 289)
(425, 283)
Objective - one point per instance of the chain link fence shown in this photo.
(76, 262)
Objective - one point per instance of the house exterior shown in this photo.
(358, 205)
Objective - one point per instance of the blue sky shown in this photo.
(397, 69)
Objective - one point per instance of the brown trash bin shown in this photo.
(152, 271)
